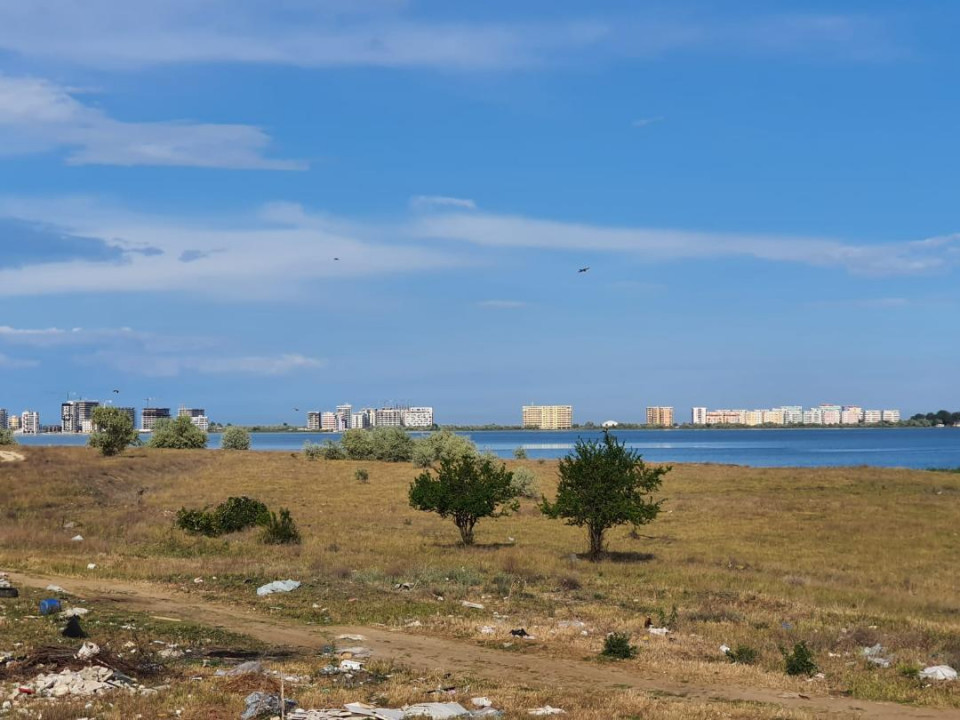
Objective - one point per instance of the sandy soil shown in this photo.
(431, 653)
(10, 456)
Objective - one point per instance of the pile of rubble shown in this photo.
(92, 680)
(259, 705)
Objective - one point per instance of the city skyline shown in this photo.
(398, 204)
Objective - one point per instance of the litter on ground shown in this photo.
(278, 586)
(938, 672)
(547, 710)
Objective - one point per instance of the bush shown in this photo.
(7, 437)
(525, 483)
(113, 432)
(326, 451)
(178, 434)
(361, 475)
(233, 515)
(520, 454)
(280, 530)
(800, 661)
(235, 438)
(617, 646)
(358, 444)
(441, 445)
(743, 655)
(391, 444)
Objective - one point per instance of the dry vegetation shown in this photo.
(838, 558)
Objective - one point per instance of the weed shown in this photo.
(617, 646)
(743, 655)
(280, 530)
(799, 661)
(361, 475)
(233, 515)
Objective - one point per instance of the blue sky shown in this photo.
(765, 193)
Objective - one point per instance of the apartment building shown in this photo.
(792, 414)
(698, 416)
(3, 419)
(313, 420)
(30, 422)
(76, 416)
(389, 417)
(726, 417)
(851, 415)
(771, 417)
(548, 417)
(150, 416)
(831, 414)
(198, 416)
(13, 422)
(890, 416)
(872, 417)
(418, 417)
(660, 416)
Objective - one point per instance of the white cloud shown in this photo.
(644, 122)
(173, 365)
(124, 34)
(502, 304)
(902, 258)
(10, 363)
(275, 254)
(429, 202)
(37, 115)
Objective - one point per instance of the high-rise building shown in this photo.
(29, 422)
(313, 420)
(813, 416)
(890, 416)
(389, 417)
(3, 419)
(661, 416)
(344, 412)
(76, 416)
(831, 414)
(771, 417)
(872, 417)
(328, 422)
(698, 415)
(418, 417)
(359, 421)
(198, 416)
(13, 422)
(548, 417)
(150, 416)
(752, 418)
(792, 414)
(851, 415)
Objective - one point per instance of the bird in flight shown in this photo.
(336, 259)
(117, 392)
(583, 269)
(296, 409)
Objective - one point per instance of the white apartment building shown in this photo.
(830, 414)
(389, 417)
(359, 421)
(726, 417)
(752, 418)
(313, 420)
(772, 417)
(890, 416)
(328, 422)
(698, 415)
(792, 414)
(29, 422)
(547, 417)
(872, 417)
(813, 416)
(851, 415)
(418, 417)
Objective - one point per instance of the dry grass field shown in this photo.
(838, 558)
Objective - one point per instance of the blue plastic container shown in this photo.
(49, 606)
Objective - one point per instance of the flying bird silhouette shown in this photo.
(583, 269)
(117, 392)
(336, 259)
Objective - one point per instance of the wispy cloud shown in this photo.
(502, 304)
(129, 33)
(275, 254)
(429, 202)
(10, 363)
(154, 365)
(37, 116)
(653, 244)
(647, 121)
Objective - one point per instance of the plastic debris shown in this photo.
(77, 538)
(278, 586)
(259, 703)
(547, 710)
(350, 665)
(938, 672)
(251, 667)
(74, 612)
(487, 630)
(354, 638)
(49, 606)
(91, 566)
(472, 605)
(481, 702)
(6, 589)
(73, 629)
(520, 632)
(88, 651)
(725, 649)
(662, 632)
(355, 652)
(874, 656)
(56, 589)
(436, 711)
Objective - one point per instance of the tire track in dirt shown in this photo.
(431, 653)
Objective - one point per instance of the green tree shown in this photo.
(7, 437)
(113, 430)
(520, 453)
(235, 438)
(465, 488)
(178, 434)
(603, 485)
(439, 445)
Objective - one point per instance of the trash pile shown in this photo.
(7, 590)
(92, 680)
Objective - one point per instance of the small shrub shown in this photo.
(800, 661)
(525, 483)
(325, 451)
(233, 515)
(361, 475)
(280, 530)
(569, 582)
(743, 655)
(909, 671)
(7, 437)
(617, 646)
(665, 620)
(197, 522)
(520, 454)
(235, 438)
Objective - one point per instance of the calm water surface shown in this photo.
(881, 447)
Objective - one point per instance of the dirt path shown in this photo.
(431, 653)
(10, 456)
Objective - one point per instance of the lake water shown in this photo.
(881, 447)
